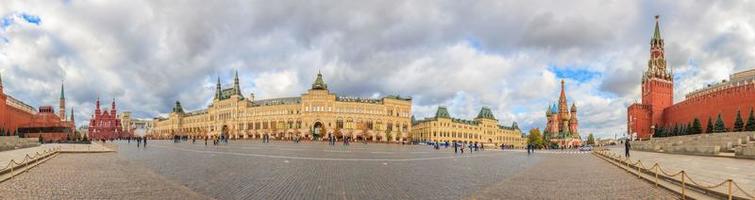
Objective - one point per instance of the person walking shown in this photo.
(205, 140)
(145, 141)
(456, 149)
(627, 146)
(461, 148)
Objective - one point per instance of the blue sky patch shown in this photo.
(6, 21)
(580, 75)
(33, 19)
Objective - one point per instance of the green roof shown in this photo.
(485, 113)
(62, 92)
(442, 112)
(319, 83)
(657, 32)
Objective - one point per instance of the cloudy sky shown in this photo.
(509, 56)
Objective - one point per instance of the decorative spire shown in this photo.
(657, 32)
(217, 89)
(562, 105)
(319, 83)
(573, 107)
(72, 119)
(62, 91)
(236, 87)
(657, 67)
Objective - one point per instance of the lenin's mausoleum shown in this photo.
(725, 98)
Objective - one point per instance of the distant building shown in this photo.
(484, 129)
(105, 124)
(17, 117)
(657, 110)
(130, 125)
(562, 126)
(318, 113)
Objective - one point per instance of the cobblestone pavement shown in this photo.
(92, 176)
(251, 170)
(573, 177)
(703, 169)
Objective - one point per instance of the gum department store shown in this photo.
(319, 113)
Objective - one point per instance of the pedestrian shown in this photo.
(145, 141)
(461, 147)
(456, 150)
(205, 140)
(627, 146)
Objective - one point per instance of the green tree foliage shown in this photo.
(709, 127)
(739, 124)
(590, 139)
(719, 126)
(535, 138)
(750, 122)
(697, 127)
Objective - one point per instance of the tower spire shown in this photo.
(217, 89)
(62, 103)
(236, 87)
(657, 32)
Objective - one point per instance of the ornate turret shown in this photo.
(485, 113)
(73, 121)
(442, 112)
(97, 108)
(177, 108)
(319, 84)
(236, 87)
(548, 111)
(563, 106)
(112, 108)
(573, 107)
(657, 67)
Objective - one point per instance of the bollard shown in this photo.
(730, 194)
(656, 174)
(684, 196)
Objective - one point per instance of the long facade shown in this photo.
(315, 114)
(658, 111)
(484, 129)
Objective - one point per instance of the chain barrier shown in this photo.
(684, 177)
(27, 159)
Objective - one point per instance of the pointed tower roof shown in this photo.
(442, 112)
(657, 32)
(319, 84)
(178, 108)
(62, 91)
(485, 113)
(573, 107)
(72, 120)
(217, 89)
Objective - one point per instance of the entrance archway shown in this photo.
(317, 130)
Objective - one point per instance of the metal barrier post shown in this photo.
(656, 174)
(730, 194)
(684, 196)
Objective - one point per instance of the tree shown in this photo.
(739, 124)
(697, 127)
(709, 127)
(750, 122)
(659, 131)
(535, 138)
(590, 139)
(719, 127)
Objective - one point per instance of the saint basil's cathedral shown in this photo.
(562, 127)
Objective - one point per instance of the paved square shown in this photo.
(282, 170)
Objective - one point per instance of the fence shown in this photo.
(28, 159)
(684, 180)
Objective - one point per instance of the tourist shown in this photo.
(461, 147)
(138, 142)
(627, 146)
(456, 150)
(205, 140)
(145, 141)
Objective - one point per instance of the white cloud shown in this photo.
(464, 55)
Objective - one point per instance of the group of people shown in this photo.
(139, 141)
(458, 147)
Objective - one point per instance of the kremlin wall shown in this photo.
(725, 98)
(657, 111)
